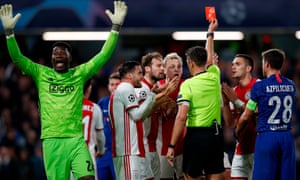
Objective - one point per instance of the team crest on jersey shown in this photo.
(247, 95)
(131, 98)
(143, 95)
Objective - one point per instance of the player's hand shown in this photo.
(213, 25)
(215, 58)
(170, 156)
(100, 154)
(172, 85)
(228, 91)
(7, 19)
(120, 11)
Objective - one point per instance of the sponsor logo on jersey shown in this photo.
(55, 88)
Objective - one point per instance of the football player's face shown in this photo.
(113, 83)
(157, 69)
(61, 59)
(173, 67)
(238, 68)
(137, 77)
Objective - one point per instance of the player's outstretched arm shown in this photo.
(210, 41)
(8, 20)
(8, 23)
(117, 18)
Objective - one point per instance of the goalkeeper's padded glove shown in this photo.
(7, 19)
(120, 11)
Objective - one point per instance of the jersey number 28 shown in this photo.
(286, 113)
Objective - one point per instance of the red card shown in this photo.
(210, 13)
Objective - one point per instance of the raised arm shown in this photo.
(210, 42)
(117, 19)
(8, 23)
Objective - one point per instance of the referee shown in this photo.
(199, 109)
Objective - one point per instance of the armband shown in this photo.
(251, 105)
(171, 146)
(210, 34)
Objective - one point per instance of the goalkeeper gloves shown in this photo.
(120, 11)
(7, 19)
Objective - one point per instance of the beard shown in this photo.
(157, 78)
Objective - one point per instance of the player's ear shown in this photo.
(249, 68)
(147, 69)
(129, 75)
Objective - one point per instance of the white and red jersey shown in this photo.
(246, 142)
(150, 123)
(127, 132)
(166, 126)
(91, 122)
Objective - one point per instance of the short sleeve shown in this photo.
(185, 92)
(128, 97)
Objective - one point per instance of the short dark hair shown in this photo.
(197, 54)
(127, 67)
(62, 44)
(274, 57)
(248, 59)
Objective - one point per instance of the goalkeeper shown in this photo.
(60, 96)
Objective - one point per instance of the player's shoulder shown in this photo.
(124, 86)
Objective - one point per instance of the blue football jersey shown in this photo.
(275, 96)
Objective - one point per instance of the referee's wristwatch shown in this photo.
(171, 146)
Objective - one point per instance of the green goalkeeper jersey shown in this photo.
(61, 94)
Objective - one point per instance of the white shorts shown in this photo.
(132, 167)
(242, 166)
(167, 171)
(153, 159)
(226, 161)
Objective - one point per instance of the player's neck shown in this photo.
(198, 70)
(245, 80)
(272, 72)
(149, 79)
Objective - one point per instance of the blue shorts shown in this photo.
(274, 156)
(105, 167)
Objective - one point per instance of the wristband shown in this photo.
(171, 146)
(238, 103)
(210, 34)
(116, 27)
(10, 36)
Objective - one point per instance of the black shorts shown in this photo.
(203, 151)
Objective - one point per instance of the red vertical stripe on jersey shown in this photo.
(127, 167)
(127, 133)
(140, 137)
(152, 137)
(113, 128)
(278, 78)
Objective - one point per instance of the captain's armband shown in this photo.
(251, 105)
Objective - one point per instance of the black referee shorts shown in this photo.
(203, 151)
